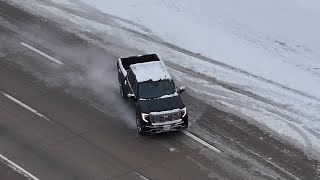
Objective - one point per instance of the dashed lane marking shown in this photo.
(141, 176)
(41, 53)
(17, 168)
(25, 106)
(201, 141)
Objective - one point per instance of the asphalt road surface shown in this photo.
(55, 123)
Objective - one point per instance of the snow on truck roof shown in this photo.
(155, 71)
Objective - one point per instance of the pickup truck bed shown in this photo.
(123, 64)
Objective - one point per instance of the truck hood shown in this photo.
(162, 104)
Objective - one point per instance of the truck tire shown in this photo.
(139, 128)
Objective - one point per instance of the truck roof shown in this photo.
(153, 71)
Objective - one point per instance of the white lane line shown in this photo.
(141, 176)
(201, 141)
(17, 168)
(41, 53)
(24, 105)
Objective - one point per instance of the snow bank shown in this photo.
(272, 39)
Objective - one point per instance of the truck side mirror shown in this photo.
(132, 96)
(182, 89)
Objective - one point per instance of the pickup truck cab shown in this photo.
(145, 82)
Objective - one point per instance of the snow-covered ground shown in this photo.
(259, 59)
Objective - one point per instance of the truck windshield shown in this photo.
(151, 89)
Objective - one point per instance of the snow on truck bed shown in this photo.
(154, 71)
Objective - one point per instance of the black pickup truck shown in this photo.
(145, 82)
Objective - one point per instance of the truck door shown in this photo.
(135, 92)
(131, 86)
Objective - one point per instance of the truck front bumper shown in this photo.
(175, 126)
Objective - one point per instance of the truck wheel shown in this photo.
(121, 92)
(139, 128)
(187, 124)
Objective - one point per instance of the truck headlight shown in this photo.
(145, 117)
(184, 112)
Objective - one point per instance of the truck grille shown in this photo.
(165, 116)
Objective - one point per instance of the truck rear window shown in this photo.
(151, 89)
